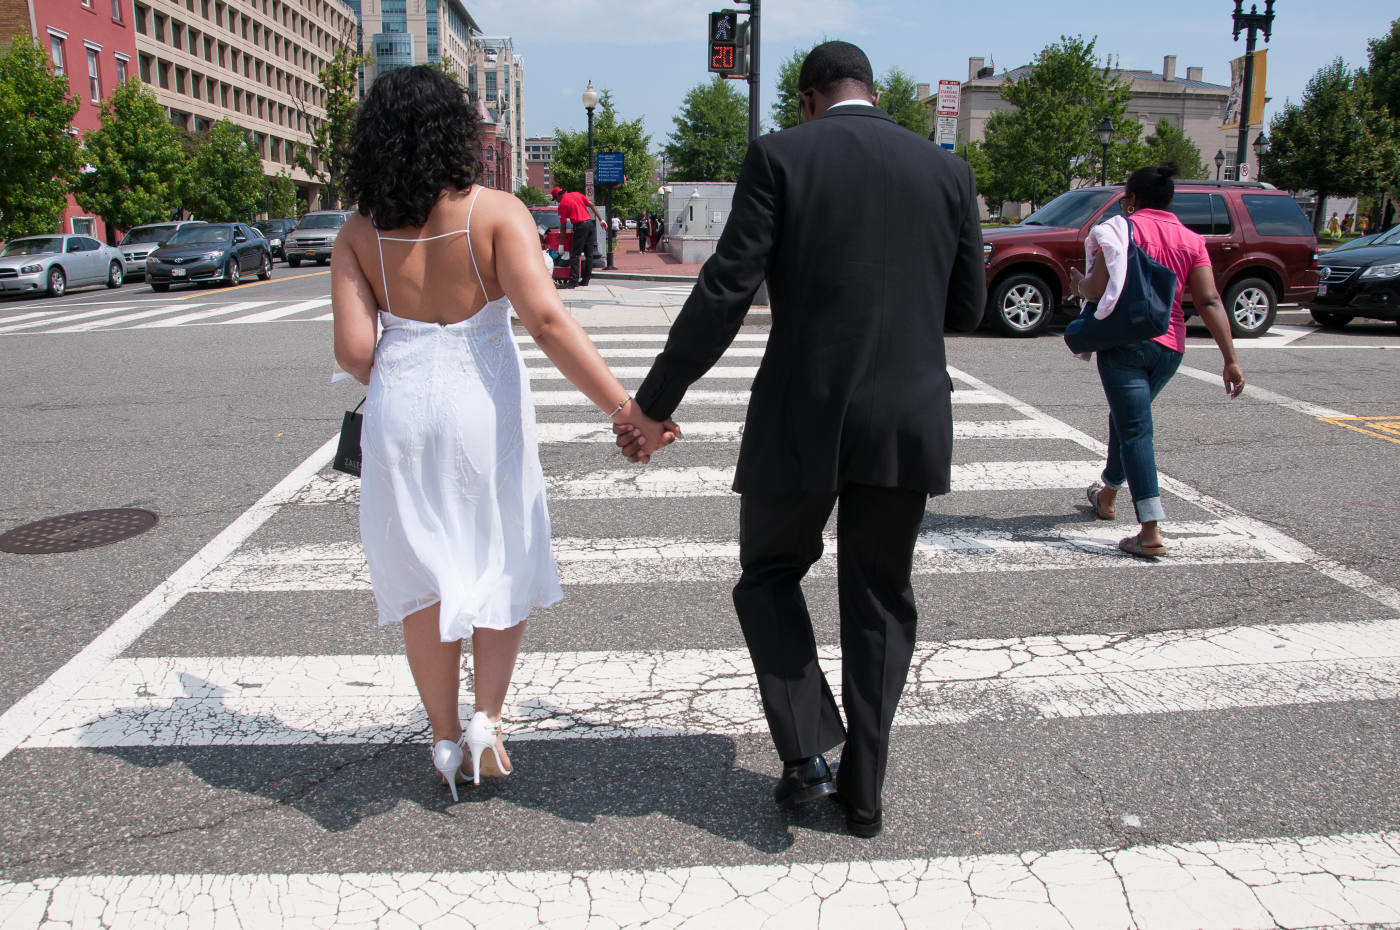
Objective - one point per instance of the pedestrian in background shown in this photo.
(574, 209)
(1133, 375)
(643, 232)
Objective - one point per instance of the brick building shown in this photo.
(92, 43)
(539, 161)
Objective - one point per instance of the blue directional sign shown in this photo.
(609, 168)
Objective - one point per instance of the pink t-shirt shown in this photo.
(1161, 235)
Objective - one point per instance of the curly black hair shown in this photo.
(414, 137)
(1152, 186)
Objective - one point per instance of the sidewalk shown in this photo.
(630, 264)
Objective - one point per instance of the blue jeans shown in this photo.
(1133, 376)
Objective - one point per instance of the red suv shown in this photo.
(1261, 246)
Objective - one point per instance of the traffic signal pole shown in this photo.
(753, 69)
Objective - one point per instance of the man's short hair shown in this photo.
(832, 63)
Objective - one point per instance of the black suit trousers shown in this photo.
(780, 538)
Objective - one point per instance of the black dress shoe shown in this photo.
(803, 781)
(864, 824)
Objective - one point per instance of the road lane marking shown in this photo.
(221, 310)
(359, 699)
(67, 317)
(609, 351)
(117, 322)
(1264, 394)
(278, 280)
(702, 398)
(1387, 428)
(277, 313)
(550, 433)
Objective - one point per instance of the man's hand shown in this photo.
(637, 442)
(1234, 379)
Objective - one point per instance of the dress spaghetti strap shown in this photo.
(470, 250)
(383, 275)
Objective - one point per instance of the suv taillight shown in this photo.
(1314, 263)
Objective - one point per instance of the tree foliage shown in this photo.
(786, 111)
(711, 134)
(1170, 144)
(227, 176)
(329, 154)
(1337, 142)
(136, 164)
(1048, 144)
(38, 157)
(280, 196)
(610, 134)
(899, 98)
(1383, 55)
(534, 197)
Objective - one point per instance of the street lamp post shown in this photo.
(1105, 133)
(1261, 148)
(1250, 22)
(590, 100)
(1219, 162)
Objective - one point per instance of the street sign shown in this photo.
(610, 168)
(946, 132)
(1244, 172)
(949, 98)
(588, 183)
(726, 44)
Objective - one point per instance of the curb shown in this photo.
(642, 276)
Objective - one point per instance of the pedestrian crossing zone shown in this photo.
(1140, 756)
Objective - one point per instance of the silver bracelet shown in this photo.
(618, 409)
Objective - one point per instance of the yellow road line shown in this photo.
(1387, 428)
(307, 274)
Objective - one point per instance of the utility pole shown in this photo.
(1250, 22)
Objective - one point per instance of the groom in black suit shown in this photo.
(869, 239)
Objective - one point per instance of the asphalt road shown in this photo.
(1206, 741)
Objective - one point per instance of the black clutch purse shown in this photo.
(347, 454)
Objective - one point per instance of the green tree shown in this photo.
(993, 183)
(136, 162)
(329, 154)
(786, 111)
(38, 157)
(1336, 142)
(228, 180)
(610, 134)
(279, 195)
(1050, 134)
(899, 98)
(1169, 144)
(534, 197)
(711, 134)
(1383, 55)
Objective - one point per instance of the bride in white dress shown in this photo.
(452, 507)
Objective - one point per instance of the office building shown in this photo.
(539, 161)
(496, 77)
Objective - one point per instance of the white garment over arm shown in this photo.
(1111, 238)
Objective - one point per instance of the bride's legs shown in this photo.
(493, 656)
(437, 671)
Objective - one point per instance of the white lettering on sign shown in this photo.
(949, 98)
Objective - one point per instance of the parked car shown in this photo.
(140, 241)
(1261, 246)
(547, 221)
(276, 233)
(52, 264)
(1361, 241)
(314, 237)
(1363, 281)
(209, 252)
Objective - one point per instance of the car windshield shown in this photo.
(268, 227)
(323, 221)
(40, 245)
(147, 234)
(1069, 209)
(1388, 238)
(548, 217)
(201, 235)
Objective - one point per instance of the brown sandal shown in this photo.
(1092, 493)
(1134, 547)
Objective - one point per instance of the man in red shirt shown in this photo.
(574, 208)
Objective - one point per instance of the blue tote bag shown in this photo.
(1143, 311)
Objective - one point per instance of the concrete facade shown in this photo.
(496, 77)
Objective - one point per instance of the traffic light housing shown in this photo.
(728, 44)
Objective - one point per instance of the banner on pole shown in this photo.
(1256, 91)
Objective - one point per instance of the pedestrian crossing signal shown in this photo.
(728, 44)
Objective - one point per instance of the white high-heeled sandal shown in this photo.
(447, 759)
(481, 735)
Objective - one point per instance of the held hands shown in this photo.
(1234, 379)
(639, 436)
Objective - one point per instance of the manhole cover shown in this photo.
(73, 531)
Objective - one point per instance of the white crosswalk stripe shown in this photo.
(174, 703)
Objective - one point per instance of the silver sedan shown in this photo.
(52, 264)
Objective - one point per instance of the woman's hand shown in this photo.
(639, 436)
(1234, 378)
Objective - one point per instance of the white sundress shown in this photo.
(452, 503)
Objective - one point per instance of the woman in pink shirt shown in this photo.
(1133, 375)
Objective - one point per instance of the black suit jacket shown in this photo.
(868, 236)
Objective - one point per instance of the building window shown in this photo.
(117, 10)
(490, 85)
(94, 79)
(84, 226)
(122, 64)
(87, 4)
(56, 50)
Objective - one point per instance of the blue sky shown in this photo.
(650, 52)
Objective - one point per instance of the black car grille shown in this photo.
(1336, 274)
(8, 273)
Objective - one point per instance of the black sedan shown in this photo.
(1361, 282)
(276, 233)
(209, 252)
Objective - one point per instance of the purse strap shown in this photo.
(360, 404)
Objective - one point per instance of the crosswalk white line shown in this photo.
(356, 699)
(277, 313)
(119, 321)
(549, 433)
(610, 351)
(621, 372)
(222, 310)
(33, 314)
(972, 546)
(656, 339)
(1349, 880)
(66, 317)
(703, 398)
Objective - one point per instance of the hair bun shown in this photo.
(1169, 170)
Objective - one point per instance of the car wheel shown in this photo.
(1329, 320)
(1251, 305)
(265, 269)
(1021, 305)
(58, 282)
(115, 278)
(159, 288)
(232, 274)
(294, 263)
